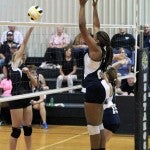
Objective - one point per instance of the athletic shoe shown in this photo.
(43, 65)
(2, 123)
(44, 125)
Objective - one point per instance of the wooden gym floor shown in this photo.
(60, 137)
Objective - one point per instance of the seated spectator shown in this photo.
(146, 37)
(79, 48)
(5, 47)
(125, 40)
(8, 56)
(127, 87)
(39, 101)
(67, 70)
(57, 43)
(123, 64)
(18, 38)
(146, 42)
(5, 90)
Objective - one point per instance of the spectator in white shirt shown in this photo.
(18, 38)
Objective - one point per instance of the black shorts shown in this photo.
(95, 93)
(23, 103)
(111, 120)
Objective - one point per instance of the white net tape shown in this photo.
(53, 91)
(42, 24)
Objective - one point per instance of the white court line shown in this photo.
(51, 145)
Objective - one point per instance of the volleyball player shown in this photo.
(21, 110)
(111, 120)
(96, 62)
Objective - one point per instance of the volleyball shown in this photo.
(35, 13)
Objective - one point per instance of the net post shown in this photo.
(141, 99)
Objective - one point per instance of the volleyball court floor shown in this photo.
(62, 137)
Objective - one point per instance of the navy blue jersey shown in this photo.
(111, 119)
(96, 89)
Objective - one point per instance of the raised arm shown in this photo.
(95, 51)
(96, 21)
(21, 50)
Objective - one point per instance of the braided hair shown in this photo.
(107, 52)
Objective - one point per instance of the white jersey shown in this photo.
(90, 65)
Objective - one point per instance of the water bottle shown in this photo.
(51, 102)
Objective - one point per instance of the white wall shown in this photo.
(66, 11)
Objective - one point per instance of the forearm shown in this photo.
(96, 22)
(73, 71)
(82, 21)
(116, 65)
(21, 50)
(27, 35)
(32, 79)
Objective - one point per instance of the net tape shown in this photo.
(43, 24)
(29, 95)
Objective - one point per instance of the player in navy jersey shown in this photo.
(21, 110)
(96, 61)
(111, 119)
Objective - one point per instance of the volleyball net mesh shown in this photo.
(39, 44)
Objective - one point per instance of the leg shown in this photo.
(43, 115)
(70, 80)
(17, 120)
(94, 114)
(106, 135)
(42, 112)
(27, 120)
(59, 81)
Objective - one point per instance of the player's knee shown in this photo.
(93, 130)
(27, 130)
(101, 126)
(15, 132)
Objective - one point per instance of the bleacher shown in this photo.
(68, 109)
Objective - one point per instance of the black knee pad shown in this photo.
(15, 132)
(27, 130)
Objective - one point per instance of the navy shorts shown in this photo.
(95, 93)
(23, 103)
(111, 120)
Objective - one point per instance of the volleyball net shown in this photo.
(38, 44)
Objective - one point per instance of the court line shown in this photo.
(51, 145)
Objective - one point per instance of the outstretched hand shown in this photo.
(95, 3)
(83, 2)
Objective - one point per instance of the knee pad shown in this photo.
(15, 132)
(27, 130)
(101, 127)
(93, 130)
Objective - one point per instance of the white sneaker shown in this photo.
(43, 65)
(57, 66)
